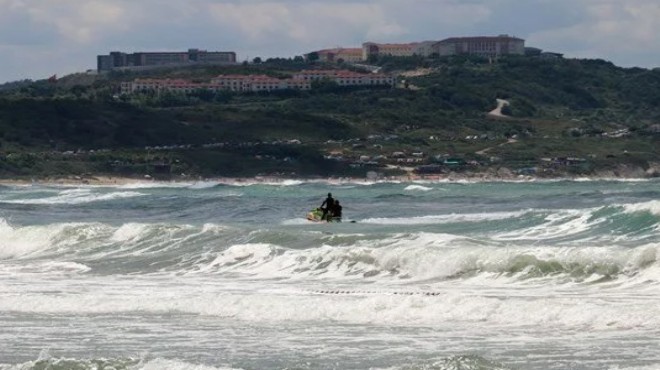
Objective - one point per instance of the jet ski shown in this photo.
(316, 215)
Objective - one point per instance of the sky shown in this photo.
(39, 38)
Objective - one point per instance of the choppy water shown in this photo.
(546, 275)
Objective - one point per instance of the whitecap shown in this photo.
(443, 219)
(652, 206)
(76, 196)
(417, 187)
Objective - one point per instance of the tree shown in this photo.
(313, 57)
(257, 60)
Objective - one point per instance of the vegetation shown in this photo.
(601, 114)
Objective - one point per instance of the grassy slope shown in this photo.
(549, 99)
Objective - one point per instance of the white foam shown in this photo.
(24, 241)
(243, 255)
(163, 364)
(652, 206)
(417, 188)
(51, 268)
(76, 196)
(559, 223)
(444, 219)
(129, 231)
(204, 185)
(152, 185)
(155, 364)
(544, 308)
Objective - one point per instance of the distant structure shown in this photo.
(486, 46)
(372, 49)
(259, 83)
(339, 55)
(146, 60)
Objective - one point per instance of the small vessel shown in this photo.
(316, 215)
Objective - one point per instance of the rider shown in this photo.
(329, 202)
(336, 211)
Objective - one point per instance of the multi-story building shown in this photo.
(485, 46)
(347, 78)
(372, 49)
(158, 86)
(119, 60)
(259, 83)
(338, 55)
(255, 83)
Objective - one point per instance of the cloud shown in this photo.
(78, 21)
(307, 23)
(609, 29)
(68, 34)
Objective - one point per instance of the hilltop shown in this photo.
(563, 118)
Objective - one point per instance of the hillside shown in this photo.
(580, 117)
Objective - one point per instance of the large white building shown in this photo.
(371, 49)
(483, 45)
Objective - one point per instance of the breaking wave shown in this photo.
(99, 248)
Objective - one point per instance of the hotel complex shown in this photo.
(483, 46)
(487, 46)
(146, 60)
(259, 83)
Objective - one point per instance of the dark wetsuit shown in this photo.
(336, 211)
(329, 202)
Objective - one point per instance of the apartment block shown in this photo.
(484, 46)
(145, 60)
(259, 83)
(338, 55)
(372, 49)
(347, 78)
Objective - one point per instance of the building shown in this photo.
(162, 85)
(487, 46)
(119, 60)
(372, 49)
(255, 83)
(339, 55)
(258, 83)
(347, 78)
(491, 46)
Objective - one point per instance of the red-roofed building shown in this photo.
(346, 78)
(259, 83)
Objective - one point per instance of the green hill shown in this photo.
(565, 116)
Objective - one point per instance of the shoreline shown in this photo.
(277, 180)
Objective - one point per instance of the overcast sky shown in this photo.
(39, 38)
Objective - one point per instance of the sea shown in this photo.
(561, 274)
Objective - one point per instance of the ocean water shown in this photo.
(529, 275)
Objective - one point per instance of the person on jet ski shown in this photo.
(329, 202)
(335, 211)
